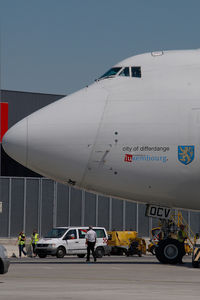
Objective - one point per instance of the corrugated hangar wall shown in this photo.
(30, 201)
(40, 203)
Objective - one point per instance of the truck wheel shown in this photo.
(121, 252)
(60, 252)
(81, 255)
(42, 255)
(169, 251)
(99, 252)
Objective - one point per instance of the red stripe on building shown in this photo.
(3, 119)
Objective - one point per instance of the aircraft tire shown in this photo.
(169, 251)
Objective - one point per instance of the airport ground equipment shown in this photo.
(196, 256)
(61, 241)
(4, 261)
(155, 239)
(165, 244)
(127, 242)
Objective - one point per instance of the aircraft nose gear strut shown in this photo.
(168, 249)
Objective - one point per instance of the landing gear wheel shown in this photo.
(169, 251)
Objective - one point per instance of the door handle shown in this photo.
(76, 242)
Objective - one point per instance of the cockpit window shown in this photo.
(111, 73)
(136, 71)
(124, 72)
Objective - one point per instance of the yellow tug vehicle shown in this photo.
(174, 224)
(127, 242)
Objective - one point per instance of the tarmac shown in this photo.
(115, 277)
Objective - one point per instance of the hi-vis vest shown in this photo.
(34, 238)
(21, 239)
(181, 236)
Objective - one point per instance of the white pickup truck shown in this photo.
(61, 241)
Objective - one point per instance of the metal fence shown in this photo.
(39, 203)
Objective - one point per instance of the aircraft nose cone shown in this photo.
(15, 142)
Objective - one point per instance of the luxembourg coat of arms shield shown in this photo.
(185, 154)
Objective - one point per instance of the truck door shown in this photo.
(82, 240)
(72, 242)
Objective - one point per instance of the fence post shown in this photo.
(83, 208)
(97, 205)
(189, 220)
(55, 198)
(150, 225)
(69, 207)
(25, 192)
(40, 207)
(110, 213)
(137, 217)
(124, 214)
(9, 206)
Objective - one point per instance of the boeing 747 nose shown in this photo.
(57, 141)
(15, 142)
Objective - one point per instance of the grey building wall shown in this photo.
(41, 203)
(22, 104)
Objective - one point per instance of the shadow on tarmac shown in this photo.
(99, 262)
(84, 263)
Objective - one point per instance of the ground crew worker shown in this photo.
(181, 238)
(34, 240)
(21, 243)
(91, 238)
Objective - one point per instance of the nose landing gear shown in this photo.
(165, 242)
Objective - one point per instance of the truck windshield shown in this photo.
(56, 233)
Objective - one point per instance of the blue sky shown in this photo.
(59, 46)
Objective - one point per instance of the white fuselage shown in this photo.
(128, 137)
